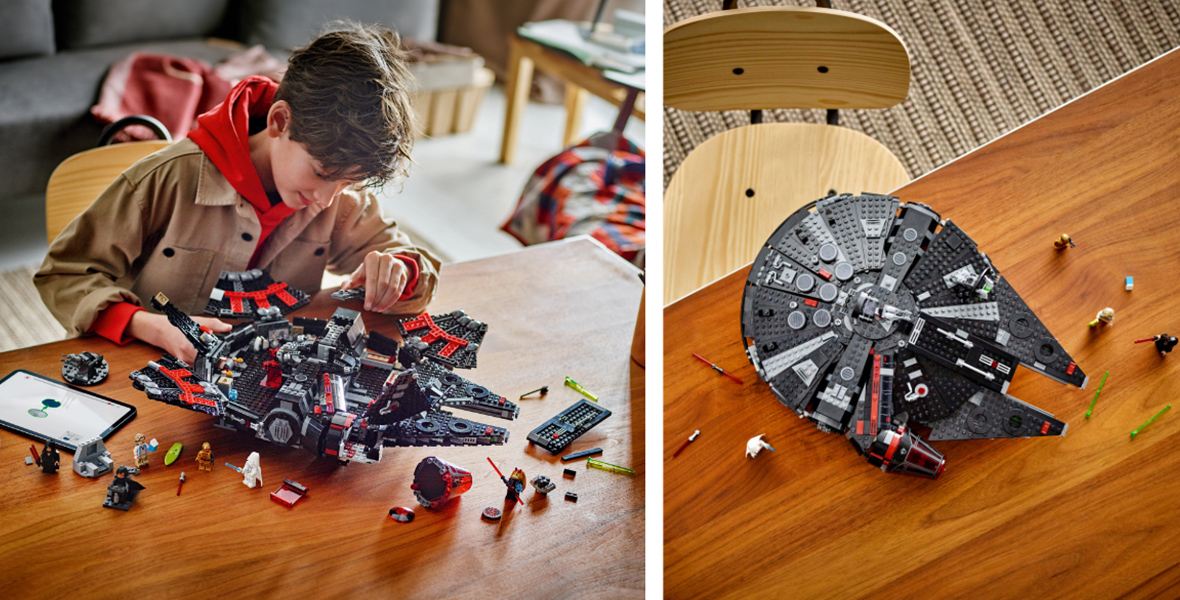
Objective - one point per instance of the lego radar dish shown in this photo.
(242, 294)
(868, 316)
(452, 339)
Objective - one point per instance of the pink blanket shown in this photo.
(173, 89)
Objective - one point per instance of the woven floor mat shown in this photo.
(24, 320)
(979, 68)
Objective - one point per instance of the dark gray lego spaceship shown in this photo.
(327, 386)
(870, 317)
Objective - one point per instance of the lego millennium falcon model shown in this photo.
(327, 386)
(869, 320)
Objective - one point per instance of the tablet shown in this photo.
(44, 409)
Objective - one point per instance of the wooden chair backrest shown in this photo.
(783, 57)
(79, 180)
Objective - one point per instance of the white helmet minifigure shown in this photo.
(252, 471)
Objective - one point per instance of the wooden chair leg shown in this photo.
(575, 101)
(516, 91)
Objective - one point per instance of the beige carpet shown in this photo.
(980, 68)
(24, 320)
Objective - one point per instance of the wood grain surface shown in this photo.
(783, 57)
(735, 189)
(1093, 514)
(81, 178)
(566, 308)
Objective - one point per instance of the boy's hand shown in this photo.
(384, 277)
(157, 331)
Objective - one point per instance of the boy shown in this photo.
(268, 179)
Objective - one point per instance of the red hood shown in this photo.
(224, 135)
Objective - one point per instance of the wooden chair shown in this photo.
(735, 189)
(79, 179)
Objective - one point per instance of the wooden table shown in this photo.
(1090, 515)
(566, 308)
(523, 56)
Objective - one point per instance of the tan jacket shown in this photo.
(172, 223)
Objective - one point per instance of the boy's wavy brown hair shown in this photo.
(350, 97)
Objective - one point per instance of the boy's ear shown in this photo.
(278, 118)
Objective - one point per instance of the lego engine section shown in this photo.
(326, 386)
(868, 320)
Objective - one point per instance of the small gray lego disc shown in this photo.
(492, 513)
(844, 271)
(822, 318)
(828, 292)
(796, 320)
(828, 252)
(805, 282)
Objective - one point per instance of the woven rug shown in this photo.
(979, 68)
(24, 320)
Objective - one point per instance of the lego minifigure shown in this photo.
(1105, 316)
(1163, 342)
(50, 458)
(515, 484)
(142, 449)
(205, 458)
(252, 471)
(123, 490)
(755, 445)
(1063, 242)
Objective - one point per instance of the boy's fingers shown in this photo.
(398, 283)
(384, 283)
(214, 324)
(372, 271)
(356, 279)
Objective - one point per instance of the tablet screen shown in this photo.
(42, 408)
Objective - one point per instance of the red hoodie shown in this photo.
(224, 135)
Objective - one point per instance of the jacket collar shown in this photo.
(213, 189)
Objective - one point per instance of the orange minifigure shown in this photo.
(205, 458)
(1063, 242)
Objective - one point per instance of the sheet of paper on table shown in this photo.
(568, 37)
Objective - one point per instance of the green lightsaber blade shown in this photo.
(605, 466)
(1149, 421)
(577, 386)
(1098, 391)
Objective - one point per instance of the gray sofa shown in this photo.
(54, 55)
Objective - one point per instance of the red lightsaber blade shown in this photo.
(716, 368)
